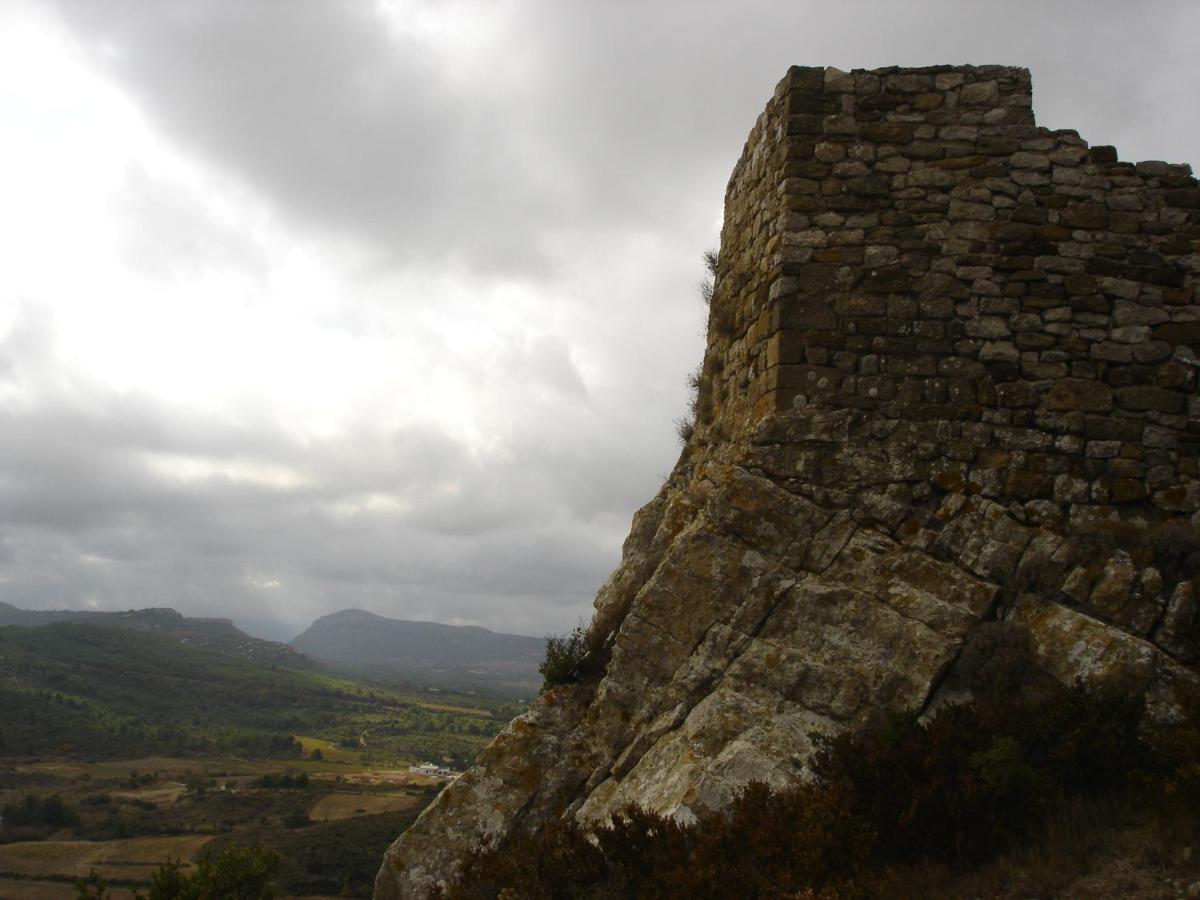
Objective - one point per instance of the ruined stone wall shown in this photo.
(908, 242)
(950, 379)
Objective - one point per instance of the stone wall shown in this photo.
(909, 242)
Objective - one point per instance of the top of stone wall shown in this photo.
(980, 95)
(907, 243)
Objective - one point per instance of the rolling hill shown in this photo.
(425, 652)
(81, 688)
(218, 635)
(86, 690)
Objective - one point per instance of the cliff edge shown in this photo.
(950, 378)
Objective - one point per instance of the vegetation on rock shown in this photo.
(698, 405)
(564, 658)
(971, 781)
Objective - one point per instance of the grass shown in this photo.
(330, 752)
(25, 889)
(335, 807)
(461, 710)
(356, 811)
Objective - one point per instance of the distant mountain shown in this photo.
(217, 635)
(426, 652)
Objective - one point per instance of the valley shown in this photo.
(124, 747)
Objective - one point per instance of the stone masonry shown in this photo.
(950, 379)
(908, 242)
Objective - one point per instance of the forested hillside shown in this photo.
(220, 635)
(93, 691)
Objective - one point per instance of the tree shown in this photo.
(236, 873)
(91, 888)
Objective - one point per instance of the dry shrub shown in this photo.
(931, 798)
(996, 657)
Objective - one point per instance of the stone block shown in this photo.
(1089, 216)
(1071, 394)
(1143, 398)
(886, 132)
(980, 93)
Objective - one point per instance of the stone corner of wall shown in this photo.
(907, 242)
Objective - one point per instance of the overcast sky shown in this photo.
(313, 304)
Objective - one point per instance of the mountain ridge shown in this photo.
(426, 651)
(210, 633)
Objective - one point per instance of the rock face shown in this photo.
(950, 377)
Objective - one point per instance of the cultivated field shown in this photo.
(329, 819)
(11, 889)
(333, 807)
(131, 858)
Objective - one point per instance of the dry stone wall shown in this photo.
(909, 242)
(950, 378)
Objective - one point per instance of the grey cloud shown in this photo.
(86, 518)
(584, 160)
(322, 109)
(590, 118)
(354, 129)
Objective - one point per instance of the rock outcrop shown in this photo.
(950, 378)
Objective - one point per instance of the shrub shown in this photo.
(973, 781)
(296, 819)
(237, 873)
(91, 888)
(699, 403)
(49, 812)
(685, 427)
(711, 261)
(1172, 547)
(996, 658)
(1176, 550)
(564, 658)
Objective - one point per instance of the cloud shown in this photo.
(357, 127)
(175, 233)
(333, 303)
(118, 500)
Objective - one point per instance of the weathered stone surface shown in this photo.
(1111, 591)
(1069, 394)
(1180, 626)
(1072, 645)
(948, 350)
